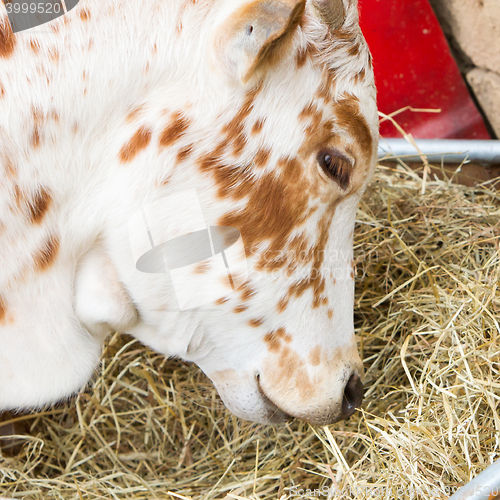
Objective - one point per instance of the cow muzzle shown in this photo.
(323, 414)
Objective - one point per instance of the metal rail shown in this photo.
(485, 486)
(437, 150)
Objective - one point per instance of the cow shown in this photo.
(262, 113)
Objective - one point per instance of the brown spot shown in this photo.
(327, 85)
(10, 169)
(202, 268)
(281, 333)
(35, 137)
(184, 153)
(273, 210)
(54, 55)
(138, 142)
(255, 323)
(45, 257)
(53, 114)
(315, 356)
(7, 38)
(234, 130)
(354, 49)
(262, 157)
(349, 118)
(39, 205)
(19, 196)
(282, 305)
(315, 281)
(174, 131)
(289, 375)
(273, 343)
(221, 301)
(84, 15)
(3, 311)
(257, 126)
(239, 309)
(330, 313)
(35, 46)
(292, 169)
(303, 54)
(311, 111)
(360, 76)
(246, 291)
(2, 90)
(132, 115)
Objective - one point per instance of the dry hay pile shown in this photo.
(426, 318)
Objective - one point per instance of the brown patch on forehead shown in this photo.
(175, 130)
(303, 54)
(38, 206)
(291, 168)
(234, 130)
(273, 210)
(7, 38)
(46, 256)
(349, 118)
(139, 141)
(327, 86)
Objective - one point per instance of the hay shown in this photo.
(426, 309)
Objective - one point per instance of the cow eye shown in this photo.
(336, 166)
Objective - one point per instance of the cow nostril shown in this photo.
(353, 396)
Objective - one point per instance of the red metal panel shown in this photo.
(414, 67)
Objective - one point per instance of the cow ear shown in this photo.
(102, 303)
(256, 34)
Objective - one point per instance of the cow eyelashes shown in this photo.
(336, 166)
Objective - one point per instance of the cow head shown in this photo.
(279, 140)
(266, 110)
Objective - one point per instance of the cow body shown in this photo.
(120, 103)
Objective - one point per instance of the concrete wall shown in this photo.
(474, 26)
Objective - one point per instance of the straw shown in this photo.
(426, 321)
